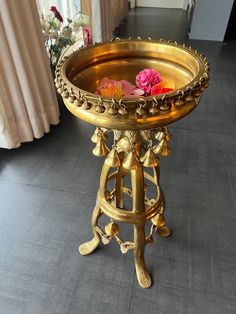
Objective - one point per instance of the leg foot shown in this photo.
(164, 231)
(90, 246)
(143, 276)
(144, 279)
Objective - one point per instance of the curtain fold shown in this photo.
(105, 16)
(119, 9)
(28, 103)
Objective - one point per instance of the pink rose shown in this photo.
(146, 79)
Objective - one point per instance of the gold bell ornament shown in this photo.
(101, 148)
(112, 229)
(72, 97)
(140, 111)
(159, 220)
(113, 159)
(65, 93)
(95, 137)
(122, 108)
(131, 162)
(162, 148)
(167, 133)
(159, 135)
(150, 159)
(86, 105)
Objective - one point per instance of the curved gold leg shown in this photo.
(90, 246)
(143, 276)
(137, 182)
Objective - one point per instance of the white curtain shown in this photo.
(105, 16)
(28, 103)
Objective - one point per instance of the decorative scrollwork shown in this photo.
(112, 234)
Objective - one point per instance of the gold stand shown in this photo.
(139, 127)
(126, 157)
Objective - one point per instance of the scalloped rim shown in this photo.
(195, 85)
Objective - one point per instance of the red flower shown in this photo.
(161, 88)
(56, 13)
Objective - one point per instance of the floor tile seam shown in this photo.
(47, 187)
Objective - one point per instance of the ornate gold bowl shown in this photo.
(79, 75)
(140, 131)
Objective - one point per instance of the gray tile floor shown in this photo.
(155, 23)
(48, 190)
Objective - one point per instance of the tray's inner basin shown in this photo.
(124, 60)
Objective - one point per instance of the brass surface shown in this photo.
(80, 73)
(139, 129)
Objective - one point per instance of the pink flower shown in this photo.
(117, 89)
(146, 79)
(127, 88)
(56, 13)
(87, 36)
(110, 88)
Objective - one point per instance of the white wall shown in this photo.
(174, 4)
(210, 19)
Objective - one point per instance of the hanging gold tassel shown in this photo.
(150, 159)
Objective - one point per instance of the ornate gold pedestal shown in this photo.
(139, 129)
(127, 160)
